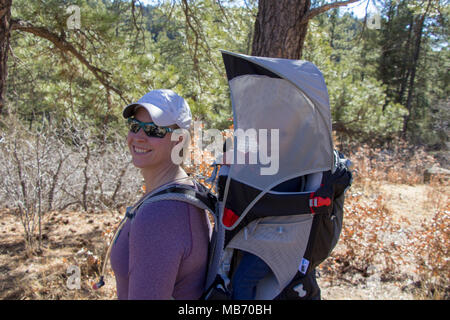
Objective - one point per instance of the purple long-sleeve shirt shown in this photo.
(162, 253)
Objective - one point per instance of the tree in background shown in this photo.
(411, 64)
(5, 16)
(344, 51)
(122, 50)
(281, 26)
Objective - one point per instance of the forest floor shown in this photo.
(80, 239)
(410, 207)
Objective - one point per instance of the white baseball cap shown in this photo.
(164, 106)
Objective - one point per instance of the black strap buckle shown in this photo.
(129, 213)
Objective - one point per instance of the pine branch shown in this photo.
(64, 46)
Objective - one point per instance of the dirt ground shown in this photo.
(80, 239)
(411, 202)
(406, 203)
(69, 239)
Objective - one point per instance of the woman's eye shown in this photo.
(134, 127)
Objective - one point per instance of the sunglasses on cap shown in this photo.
(150, 129)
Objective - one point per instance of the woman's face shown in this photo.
(149, 152)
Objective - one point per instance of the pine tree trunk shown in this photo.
(418, 35)
(406, 69)
(280, 28)
(5, 16)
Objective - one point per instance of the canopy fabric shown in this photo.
(288, 95)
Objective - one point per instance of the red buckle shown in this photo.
(315, 202)
(229, 217)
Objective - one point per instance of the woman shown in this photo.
(161, 253)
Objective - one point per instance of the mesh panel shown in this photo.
(302, 145)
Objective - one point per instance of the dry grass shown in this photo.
(396, 230)
(70, 239)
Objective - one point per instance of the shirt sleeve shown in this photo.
(160, 238)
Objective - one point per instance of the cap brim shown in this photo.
(159, 117)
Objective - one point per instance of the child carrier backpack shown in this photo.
(287, 211)
(301, 227)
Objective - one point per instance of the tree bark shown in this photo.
(5, 17)
(281, 26)
(406, 69)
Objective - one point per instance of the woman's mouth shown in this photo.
(140, 151)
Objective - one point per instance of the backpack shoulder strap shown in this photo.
(202, 199)
(205, 200)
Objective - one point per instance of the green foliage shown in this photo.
(414, 63)
(176, 45)
(368, 72)
(357, 97)
(154, 47)
(201, 31)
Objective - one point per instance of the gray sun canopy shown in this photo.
(288, 95)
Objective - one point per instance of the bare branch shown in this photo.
(51, 193)
(316, 11)
(119, 182)
(138, 28)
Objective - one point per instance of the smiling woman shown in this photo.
(161, 251)
(150, 147)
